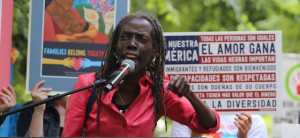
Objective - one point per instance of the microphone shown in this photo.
(118, 75)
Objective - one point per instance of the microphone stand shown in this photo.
(55, 97)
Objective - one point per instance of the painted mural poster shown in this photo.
(72, 39)
(290, 94)
(230, 71)
(75, 36)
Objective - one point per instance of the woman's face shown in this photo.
(136, 43)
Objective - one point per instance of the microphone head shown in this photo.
(130, 63)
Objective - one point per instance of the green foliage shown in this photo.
(162, 9)
(19, 87)
(228, 15)
(19, 41)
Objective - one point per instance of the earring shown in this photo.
(153, 60)
(152, 65)
(117, 59)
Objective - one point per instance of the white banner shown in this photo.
(230, 71)
(290, 94)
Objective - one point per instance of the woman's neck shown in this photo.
(129, 88)
(130, 84)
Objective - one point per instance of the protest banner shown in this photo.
(230, 71)
(65, 45)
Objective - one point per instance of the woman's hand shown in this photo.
(180, 86)
(243, 122)
(8, 96)
(39, 94)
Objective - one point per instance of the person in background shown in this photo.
(234, 126)
(43, 120)
(134, 106)
(9, 100)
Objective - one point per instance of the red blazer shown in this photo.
(138, 120)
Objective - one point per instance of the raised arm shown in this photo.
(205, 115)
(36, 124)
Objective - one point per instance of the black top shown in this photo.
(51, 121)
(2, 120)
